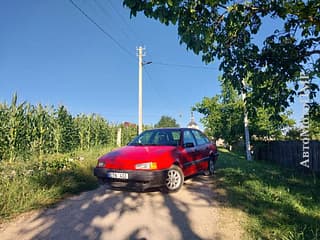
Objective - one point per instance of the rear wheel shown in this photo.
(174, 179)
(211, 167)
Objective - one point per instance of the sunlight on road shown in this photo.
(192, 213)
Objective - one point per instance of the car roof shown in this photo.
(173, 128)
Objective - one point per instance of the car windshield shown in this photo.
(158, 137)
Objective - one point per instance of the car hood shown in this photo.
(127, 157)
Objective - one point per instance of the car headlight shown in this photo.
(147, 166)
(101, 164)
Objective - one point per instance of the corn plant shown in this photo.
(128, 133)
(14, 126)
(28, 130)
(69, 133)
(3, 130)
(57, 135)
(82, 124)
(100, 130)
(44, 129)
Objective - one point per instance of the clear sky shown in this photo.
(52, 54)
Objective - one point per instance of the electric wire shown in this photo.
(105, 12)
(122, 47)
(101, 29)
(185, 66)
(136, 36)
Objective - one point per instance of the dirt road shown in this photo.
(195, 212)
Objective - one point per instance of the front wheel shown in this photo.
(102, 181)
(174, 179)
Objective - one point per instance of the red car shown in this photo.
(158, 158)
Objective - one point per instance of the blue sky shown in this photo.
(51, 54)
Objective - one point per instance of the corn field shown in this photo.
(27, 130)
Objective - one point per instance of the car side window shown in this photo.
(200, 138)
(188, 138)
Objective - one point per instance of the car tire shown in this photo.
(211, 167)
(102, 181)
(174, 179)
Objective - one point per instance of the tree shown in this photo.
(223, 115)
(314, 122)
(293, 134)
(264, 126)
(226, 30)
(166, 121)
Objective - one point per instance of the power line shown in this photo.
(184, 66)
(123, 19)
(104, 11)
(101, 29)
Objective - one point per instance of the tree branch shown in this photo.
(309, 53)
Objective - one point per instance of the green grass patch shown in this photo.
(32, 184)
(281, 203)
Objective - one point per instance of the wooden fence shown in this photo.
(288, 153)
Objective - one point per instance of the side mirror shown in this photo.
(189, 145)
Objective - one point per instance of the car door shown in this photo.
(202, 150)
(189, 155)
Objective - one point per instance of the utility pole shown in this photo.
(140, 55)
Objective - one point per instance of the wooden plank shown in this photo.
(288, 153)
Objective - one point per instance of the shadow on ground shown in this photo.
(107, 213)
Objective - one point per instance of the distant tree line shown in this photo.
(28, 130)
(166, 121)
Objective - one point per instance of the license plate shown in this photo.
(118, 175)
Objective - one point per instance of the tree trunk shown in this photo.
(246, 123)
(247, 135)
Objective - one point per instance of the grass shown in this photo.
(33, 184)
(280, 203)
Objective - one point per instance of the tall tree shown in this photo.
(314, 122)
(223, 115)
(264, 126)
(226, 30)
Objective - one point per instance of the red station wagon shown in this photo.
(159, 158)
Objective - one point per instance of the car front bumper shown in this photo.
(140, 180)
